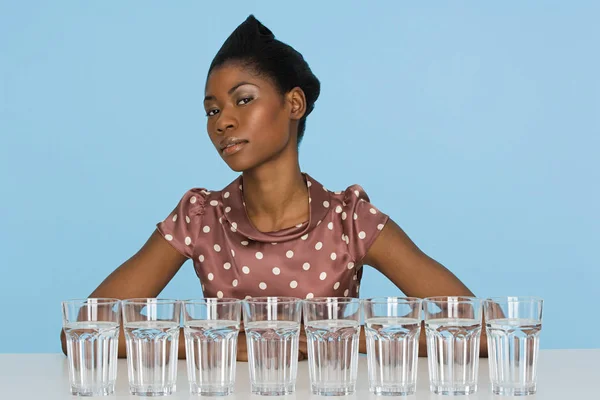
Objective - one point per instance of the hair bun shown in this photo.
(252, 28)
(262, 30)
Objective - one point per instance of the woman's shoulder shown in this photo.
(195, 202)
(202, 196)
(351, 195)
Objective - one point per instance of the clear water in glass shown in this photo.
(333, 355)
(513, 345)
(152, 348)
(273, 356)
(92, 354)
(392, 352)
(211, 350)
(453, 355)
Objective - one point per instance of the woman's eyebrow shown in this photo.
(233, 89)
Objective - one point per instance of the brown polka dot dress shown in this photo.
(321, 257)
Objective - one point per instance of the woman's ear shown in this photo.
(297, 101)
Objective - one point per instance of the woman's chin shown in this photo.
(239, 165)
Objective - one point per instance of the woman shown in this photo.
(273, 231)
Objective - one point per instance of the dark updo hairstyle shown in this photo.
(253, 46)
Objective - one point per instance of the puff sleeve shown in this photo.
(182, 227)
(362, 223)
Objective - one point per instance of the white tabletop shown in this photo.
(562, 374)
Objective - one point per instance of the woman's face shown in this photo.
(248, 120)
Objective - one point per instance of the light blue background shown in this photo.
(476, 127)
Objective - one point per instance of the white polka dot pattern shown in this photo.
(320, 257)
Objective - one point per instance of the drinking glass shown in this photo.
(513, 326)
(332, 327)
(91, 328)
(152, 337)
(211, 328)
(272, 326)
(453, 328)
(392, 327)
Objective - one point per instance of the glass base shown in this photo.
(332, 390)
(211, 390)
(513, 391)
(101, 391)
(152, 392)
(393, 390)
(454, 390)
(273, 390)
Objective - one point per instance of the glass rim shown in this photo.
(385, 300)
(144, 301)
(272, 300)
(212, 300)
(98, 301)
(326, 300)
(453, 299)
(514, 299)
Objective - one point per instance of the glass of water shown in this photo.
(453, 328)
(152, 337)
(211, 328)
(392, 327)
(332, 327)
(513, 326)
(272, 326)
(91, 329)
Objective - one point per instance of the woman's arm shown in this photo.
(416, 274)
(143, 275)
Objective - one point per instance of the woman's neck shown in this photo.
(276, 198)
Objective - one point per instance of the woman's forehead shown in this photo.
(223, 78)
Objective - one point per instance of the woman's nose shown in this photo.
(226, 122)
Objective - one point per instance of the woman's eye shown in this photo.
(212, 112)
(245, 100)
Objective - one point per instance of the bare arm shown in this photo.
(395, 255)
(143, 275)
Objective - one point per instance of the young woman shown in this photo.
(274, 230)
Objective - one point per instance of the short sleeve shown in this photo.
(362, 223)
(182, 226)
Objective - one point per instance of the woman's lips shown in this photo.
(234, 148)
